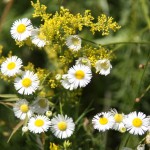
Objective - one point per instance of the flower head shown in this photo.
(74, 42)
(21, 29)
(103, 121)
(103, 66)
(62, 126)
(118, 125)
(38, 38)
(79, 76)
(39, 124)
(27, 84)
(83, 61)
(22, 109)
(137, 123)
(40, 105)
(11, 66)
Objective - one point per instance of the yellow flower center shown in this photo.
(24, 108)
(137, 122)
(118, 118)
(42, 103)
(105, 65)
(11, 66)
(39, 123)
(26, 82)
(21, 28)
(103, 120)
(62, 126)
(75, 41)
(79, 74)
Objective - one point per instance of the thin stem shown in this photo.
(134, 42)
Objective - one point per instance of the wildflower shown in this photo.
(65, 83)
(118, 125)
(21, 29)
(38, 38)
(11, 66)
(83, 61)
(137, 123)
(27, 84)
(74, 42)
(40, 105)
(22, 109)
(24, 129)
(62, 126)
(141, 147)
(103, 121)
(39, 123)
(103, 66)
(79, 76)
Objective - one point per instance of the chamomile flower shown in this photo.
(27, 84)
(11, 66)
(118, 125)
(39, 124)
(79, 76)
(22, 109)
(83, 61)
(65, 83)
(103, 121)
(21, 29)
(74, 42)
(38, 38)
(137, 123)
(103, 66)
(62, 126)
(40, 105)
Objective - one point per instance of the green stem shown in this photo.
(134, 42)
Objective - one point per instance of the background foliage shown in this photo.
(119, 90)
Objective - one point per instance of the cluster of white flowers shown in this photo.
(136, 123)
(23, 29)
(61, 126)
(26, 82)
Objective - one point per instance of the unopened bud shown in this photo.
(147, 140)
(24, 129)
(48, 113)
(141, 66)
(137, 100)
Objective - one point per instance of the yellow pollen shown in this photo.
(42, 103)
(118, 118)
(24, 108)
(11, 66)
(75, 41)
(26, 82)
(62, 126)
(105, 65)
(137, 122)
(79, 74)
(103, 121)
(21, 28)
(39, 123)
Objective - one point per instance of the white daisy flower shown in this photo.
(65, 83)
(38, 38)
(22, 109)
(40, 105)
(103, 66)
(137, 123)
(79, 76)
(74, 42)
(118, 125)
(62, 126)
(21, 29)
(83, 61)
(103, 121)
(27, 84)
(39, 123)
(11, 66)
